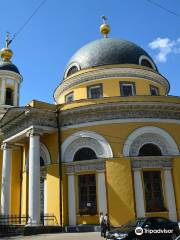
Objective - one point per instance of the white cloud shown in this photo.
(165, 46)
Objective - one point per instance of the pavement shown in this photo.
(59, 236)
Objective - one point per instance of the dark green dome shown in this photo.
(107, 51)
(8, 66)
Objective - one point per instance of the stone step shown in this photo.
(83, 228)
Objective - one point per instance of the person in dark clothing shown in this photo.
(102, 223)
(106, 224)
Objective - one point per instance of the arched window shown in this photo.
(85, 154)
(146, 63)
(150, 149)
(42, 162)
(9, 96)
(72, 70)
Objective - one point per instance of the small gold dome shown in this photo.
(105, 29)
(6, 54)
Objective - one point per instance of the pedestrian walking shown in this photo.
(106, 225)
(102, 223)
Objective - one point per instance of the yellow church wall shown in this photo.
(117, 133)
(24, 184)
(25, 175)
(176, 182)
(51, 142)
(87, 219)
(42, 105)
(120, 196)
(158, 214)
(53, 191)
(15, 181)
(24, 198)
(65, 196)
(111, 88)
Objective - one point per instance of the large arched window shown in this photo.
(85, 154)
(9, 96)
(42, 164)
(150, 149)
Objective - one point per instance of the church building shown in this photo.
(109, 144)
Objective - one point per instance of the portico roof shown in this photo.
(17, 119)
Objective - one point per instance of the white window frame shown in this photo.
(99, 86)
(154, 88)
(149, 60)
(132, 84)
(71, 94)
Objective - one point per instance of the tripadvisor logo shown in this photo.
(139, 231)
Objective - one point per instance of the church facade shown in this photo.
(110, 143)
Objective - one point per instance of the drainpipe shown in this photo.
(60, 164)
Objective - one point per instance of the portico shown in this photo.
(29, 137)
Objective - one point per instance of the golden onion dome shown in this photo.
(104, 28)
(6, 54)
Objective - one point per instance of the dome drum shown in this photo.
(99, 74)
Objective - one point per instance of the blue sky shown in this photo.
(43, 48)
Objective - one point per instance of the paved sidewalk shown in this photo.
(60, 236)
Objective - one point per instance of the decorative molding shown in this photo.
(81, 143)
(150, 134)
(19, 119)
(44, 153)
(151, 162)
(82, 139)
(34, 132)
(5, 146)
(108, 73)
(4, 74)
(83, 166)
(119, 110)
(146, 139)
(115, 121)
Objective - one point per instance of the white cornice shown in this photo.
(115, 121)
(108, 73)
(10, 74)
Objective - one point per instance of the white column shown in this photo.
(15, 102)
(6, 180)
(169, 189)
(138, 188)
(102, 201)
(3, 91)
(34, 177)
(71, 199)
